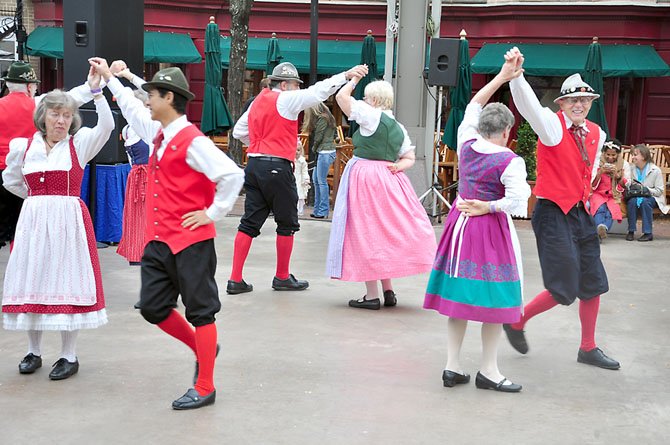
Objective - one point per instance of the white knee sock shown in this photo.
(371, 290)
(491, 333)
(455, 334)
(69, 339)
(35, 343)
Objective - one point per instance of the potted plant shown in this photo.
(526, 147)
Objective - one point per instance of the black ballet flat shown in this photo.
(451, 378)
(482, 382)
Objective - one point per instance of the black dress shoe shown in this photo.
(451, 378)
(193, 400)
(517, 338)
(312, 215)
(597, 357)
(289, 284)
(197, 366)
(238, 287)
(138, 305)
(646, 237)
(389, 298)
(364, 303)
(30, 364)
(482, 382)
(64, 369)
(629, 236)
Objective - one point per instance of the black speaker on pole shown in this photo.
(443, 63)
(104, 28)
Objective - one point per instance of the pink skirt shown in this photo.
(131, 246)
(387, 232)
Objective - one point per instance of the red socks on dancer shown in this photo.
(588, 314)
(177, 326)
(284, 249)
(541, 303)
(240, 252)
(205, 338)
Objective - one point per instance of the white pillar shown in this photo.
(390, 41)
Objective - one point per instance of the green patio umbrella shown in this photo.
(593, 75)
(274, 56)
(216, 118)
(460, 96)
(369, 58)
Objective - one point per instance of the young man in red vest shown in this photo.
(16, 121)
(191, 184)
(568, 150)
(270, 129)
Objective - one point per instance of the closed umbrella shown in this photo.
(369, 58)
(274, 56)
(216, 118)
(593, 75)
(460, 95)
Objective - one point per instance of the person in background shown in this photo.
(645, 172)
(320, 124)
(608, 186)
(301, 177)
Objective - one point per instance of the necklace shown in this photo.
(50, 145)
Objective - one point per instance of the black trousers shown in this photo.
(189, 273)
(270, 186)
(569, 252)
(10, 208)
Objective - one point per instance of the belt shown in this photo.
(269, 158)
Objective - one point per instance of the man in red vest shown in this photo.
(191, 184)
(16, 121)
(567, 241)
(270, 129)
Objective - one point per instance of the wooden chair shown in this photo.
(221, 142)
(343, 154)
(447, 170)
(304, 140)
(340, 135)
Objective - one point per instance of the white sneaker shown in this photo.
(602, 231)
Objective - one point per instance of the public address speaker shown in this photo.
(443, 62)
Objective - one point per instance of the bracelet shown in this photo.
(492, 207)
(96, 91)
(353, 84)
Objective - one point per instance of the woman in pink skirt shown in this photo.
(380, 230)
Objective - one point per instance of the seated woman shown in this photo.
(608, 186)
(644, 171)
(53, 279)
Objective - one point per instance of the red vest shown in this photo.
(269, 132)
(16, 113)
(173, 189)
(562, 175)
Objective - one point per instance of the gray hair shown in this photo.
(381, 92)
(17, 87)
(56, 100)
(495, 119)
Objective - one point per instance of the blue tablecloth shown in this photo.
(111, 191)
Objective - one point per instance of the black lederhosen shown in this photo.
(569, 251)
(10, 208)
(189, 273)
(270, 186)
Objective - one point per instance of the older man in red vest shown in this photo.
(568, 246)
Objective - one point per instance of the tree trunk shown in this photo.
(239, 28)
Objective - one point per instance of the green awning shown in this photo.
(563, 60)
(334, 56)
(168, 47)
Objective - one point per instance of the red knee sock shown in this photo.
(240, 252)
(542, 302)
(179, 328)
(205, 337)
(588, 314)
(284, 249)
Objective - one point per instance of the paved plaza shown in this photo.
(303, 368)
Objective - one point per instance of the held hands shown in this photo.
(393, 168)
(195, 219)
(101, 67)
(356, 73)
(93, 79)
(117, 66)
(513, 66)
(473, 207)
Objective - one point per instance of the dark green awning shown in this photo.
(168, 47)
(563, 60)
(334, 55)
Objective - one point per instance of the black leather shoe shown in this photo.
(451, 378)
(646, 237)
(389, 298)
(312, 215)
(137, 305)
(30, 364)
(238, 287)
(64, 369)
(193, 400)
(597, 357)
(197, 366)
(482, 382)
(629, 236)
(364, 303)
(289, 284)
(517, 338)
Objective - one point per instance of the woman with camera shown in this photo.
(646, 191)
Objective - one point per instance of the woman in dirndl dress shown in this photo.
(380, 229)
(53, 279)
(477, 273)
